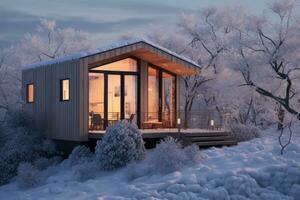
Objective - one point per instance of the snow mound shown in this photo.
(251, 170)
(28, 175)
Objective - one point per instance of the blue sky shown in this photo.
(104, 19)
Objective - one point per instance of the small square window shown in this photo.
(30, 93)
(65, 90)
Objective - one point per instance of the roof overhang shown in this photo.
(157, 56)
(136, 48)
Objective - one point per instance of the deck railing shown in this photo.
(202, 119)
(205, 119)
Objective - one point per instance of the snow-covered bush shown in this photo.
(121, 144)
(19, 118)
(43, 163)
(245, 132)
(167, 157)
(170, 156)
(86, 170)
(22, 144)
(28, 175)
(79, 155)
(83, 164)
(192, 154)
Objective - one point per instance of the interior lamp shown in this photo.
(178, 121)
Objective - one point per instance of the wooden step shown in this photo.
(209, 134)
(216, 143)
(214, 138)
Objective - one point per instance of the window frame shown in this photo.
(61, 96)
(27, 93)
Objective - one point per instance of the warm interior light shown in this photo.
(65, 90)
(30, 93)
(178, 121)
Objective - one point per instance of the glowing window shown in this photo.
(30, 93)
(65, 90)
(127, 65)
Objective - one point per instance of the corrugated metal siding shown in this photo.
(58, 119)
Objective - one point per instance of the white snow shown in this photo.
(118, 44)
(251, 170)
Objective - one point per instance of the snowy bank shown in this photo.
(251, 170)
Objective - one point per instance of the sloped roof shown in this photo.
(119, 44)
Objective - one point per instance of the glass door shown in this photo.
(153, 95)
(113, 98)
(96, 101)
(168, 99)
(161, 110)
(130, 98)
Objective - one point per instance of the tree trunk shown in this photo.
(280, 116)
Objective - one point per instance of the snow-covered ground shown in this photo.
(251, 170)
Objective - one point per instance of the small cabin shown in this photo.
(76, 96)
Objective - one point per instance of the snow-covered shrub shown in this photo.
(79, 155)
(43, 163)
(22, 144)
(121, 144)
(86, 170)
(3, 136)
(245, 132)
(19, 118)
(167, 157)
(192, 154)
(28, 175)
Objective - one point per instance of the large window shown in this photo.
(130, 98)
(168, 99)
(114, 97)
(30, 93)
(113, 93)
(96, 100)
(161, 98)
(65, 90)
(153, 93)
(125, 65)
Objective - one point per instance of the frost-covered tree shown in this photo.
(45, 43)
(270, 55)
(50, 41)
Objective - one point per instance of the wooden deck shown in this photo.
(201, 137)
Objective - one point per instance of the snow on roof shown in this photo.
(118, 44)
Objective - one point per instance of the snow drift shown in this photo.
(252, 170)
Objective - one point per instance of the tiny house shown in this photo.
(75, 95)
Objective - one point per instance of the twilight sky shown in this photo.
(104, 19)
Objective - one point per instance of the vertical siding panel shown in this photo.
(59, 120)
(83, 97)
